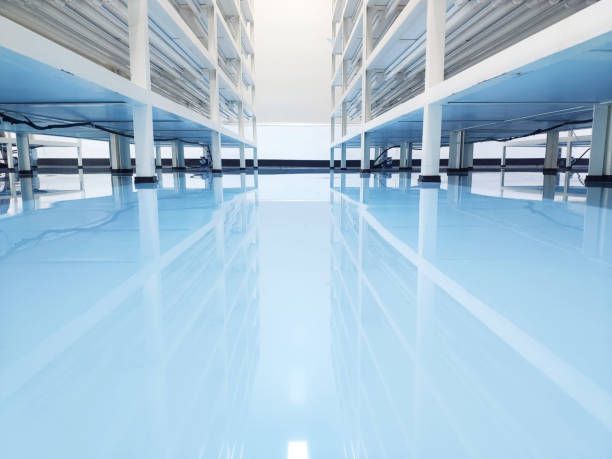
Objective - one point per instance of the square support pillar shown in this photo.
(551, 157)
(119, 148)
(568, 152)
(460, 154)
(332, 138)
(79, 149)
(600, 164)
(241, 133)
(214, 95)
(34, 158)
(343, 156)
(143, 144)
(23, 153)
(365, 152)
(138, 27)
(158, 156)
(215, 150)
(9, 156)
(255, 163)
(467, 155)
(432, 130)
(178, 155)
(242, 157)
(405, 156)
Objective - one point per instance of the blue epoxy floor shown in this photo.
(341, 317)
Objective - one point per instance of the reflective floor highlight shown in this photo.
(305, 316)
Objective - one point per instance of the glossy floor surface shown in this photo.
(305, 316)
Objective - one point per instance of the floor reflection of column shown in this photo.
(121, 186)
(82, 183)
(566, 185)
(364, 194)
(458, 186)
(217, 183)
(12, 177)
(404, 181)
(27, 193)
(180, 181)
(549, 186)
(597, 233)
(152, 306)
(426, 293)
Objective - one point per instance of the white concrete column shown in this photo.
(241, 133)
(434, 74)
(138, 24)
(143, 144)
(214, 94)
(332, 150)
(33, 157)
(344, 122)
(240, 119)
(460, 153)
(9, 155)
(255, 162)
(23, 152)
(158, 156)
(432, 130)
(215, 150)
(140, 70)
(365, 151)
(568, 152)
(403, 151)
(212, 31)
(600, 164)
(119, 148)
(366, 89)
(79, 149)
(242, 157)
(343, 156)
(467, 155)
(455, 140)
(178, 155)
(377, 152)
(406, 156)
(551, 157)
